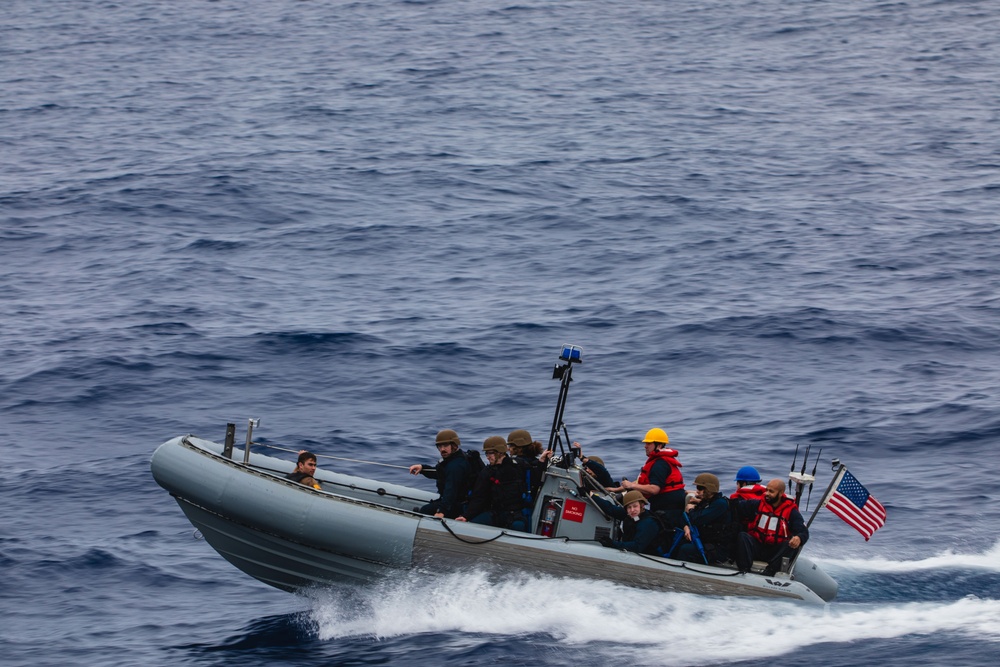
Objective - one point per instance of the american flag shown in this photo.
(852, 503)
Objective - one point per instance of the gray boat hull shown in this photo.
(356, 529)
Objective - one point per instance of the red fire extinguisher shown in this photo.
(548, 522)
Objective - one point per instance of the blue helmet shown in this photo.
(747, 474)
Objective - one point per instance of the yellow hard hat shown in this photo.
(656, 435)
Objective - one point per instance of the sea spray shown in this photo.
(601, 617)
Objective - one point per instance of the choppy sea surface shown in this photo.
(769, 224)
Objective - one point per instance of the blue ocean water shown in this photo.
(768, 224)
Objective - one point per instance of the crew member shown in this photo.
(595, 466)
(777, 531)
(748, 486)
(660, 479)
(452, 474)
(524, 449)
(709, 514)
(305, 470)
(498, 496)
(639, 530)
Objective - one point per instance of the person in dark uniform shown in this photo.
(595, 466)
(639, 530)
(305, 469)
(498, 497)
(452, 474)
(524, 449)
(709, 514)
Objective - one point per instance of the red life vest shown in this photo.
(755, 492)
(770, 526)
(674, 479)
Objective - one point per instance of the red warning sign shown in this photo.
(573, 510)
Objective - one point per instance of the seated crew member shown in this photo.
(709, 514)
(660, 479)
(639, 530)
(748, 487)
(777, 530)
(523, 448)
(595, 466)
(305, 469)
(498, 496)
(452, 475)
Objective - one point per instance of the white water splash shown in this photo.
(612, 620)
(948, 559)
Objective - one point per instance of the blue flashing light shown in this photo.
(571, 353)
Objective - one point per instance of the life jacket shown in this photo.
(674, 481)
(755, 492)
(770, 526)
(299, 476)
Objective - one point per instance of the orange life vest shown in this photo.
(755, 492)
(674, 480)
(770, 526)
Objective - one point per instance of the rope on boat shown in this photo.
(462, 539)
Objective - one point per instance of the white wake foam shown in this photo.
(609, 619)
(947, 559)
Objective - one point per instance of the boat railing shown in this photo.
(327, 477)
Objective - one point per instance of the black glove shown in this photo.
(605, 541)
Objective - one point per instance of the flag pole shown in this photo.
(826, 496)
